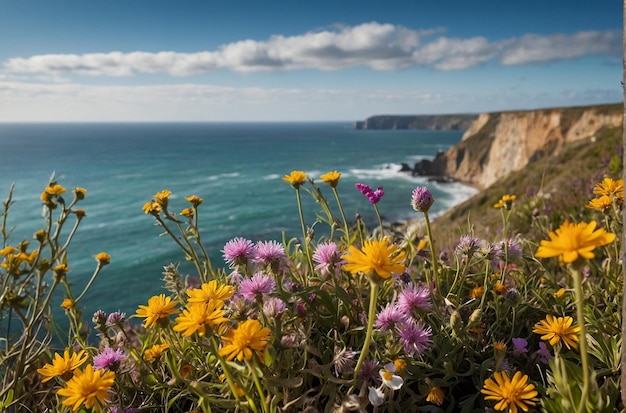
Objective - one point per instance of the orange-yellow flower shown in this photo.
(610, 187)
(249, 338)
(151, 207)
(512, 393)
(187, 212)
(477, 292)
(505, 202)
(103, 258)
(602, 203)
(90, 387)
(555, 329)
(194, 200)
(331, 178)
(79, 193)
(159, 309)
(155, 352)
(435, 396)
(376, 256)
(210, 291)
(162, 198)
(295, 178)
(571, 241)
(67, 304)
(199, 317)
(62, 366)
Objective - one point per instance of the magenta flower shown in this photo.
(237, 251)
(274, 307)
(415, 337)
(257, 286)
(372, 196)
(413, 298)
(109, 359)
(389, 317)
(115, 319)
(268, 252)
(328, 258)
(422, 199)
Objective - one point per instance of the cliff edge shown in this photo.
(499, 143)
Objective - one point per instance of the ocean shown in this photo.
(235, 167)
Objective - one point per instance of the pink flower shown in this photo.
(328, 258)
(415, 337)
(373, 196)
(237, 251)
(268, 252)
(257, 286)
(109, 359)
(389, 317)
(413, 298)
(422, 199)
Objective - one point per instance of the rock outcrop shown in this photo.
(426, 122)
(499, 143)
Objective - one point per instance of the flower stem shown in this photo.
(343, 215)
(371, 315)
(257, 384)
(431, 244)
(305, 239)
(380, 221)
(580, 315)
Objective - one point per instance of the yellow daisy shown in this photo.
(155, 352)
(194, 200)
(512, 393)
(555, 329)
(197, 317)
(210, 291)
(571, 241)
(435, 396)
(331, 178)
(63, 365)
(602, 203)
(295, 178)
(610, 187)
(89, 387)
(249, 338)
(159, 309)
(505, 202)
(376, 256)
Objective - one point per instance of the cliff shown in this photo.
(427, 122)
(499, 143)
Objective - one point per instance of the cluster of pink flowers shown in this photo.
(373, 196)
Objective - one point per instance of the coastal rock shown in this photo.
(499, 143)
(424, 122)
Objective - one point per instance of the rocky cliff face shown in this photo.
(499, 143)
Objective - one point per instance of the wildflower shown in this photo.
(519, 344)
(295, 178)
(151, 207)
(89, 387)
(249, 338)
(162, 198)
(415, 337)
(210, 291)
(556, 329)
(67, 304)
(376, 396)
(80, 213)
(468, 245)
(435, 395)
(197, 317)
(560, 293)
(103, 258)
(422, 199)
(255, 287)
(413, 298)
(373, 196)
(571, 241)
(268, 252)
(610, 187)
(40, 235)
(79, 193)
(369, 371)
(62, 365)
(343, 361)
(194, 200)
(394, 382)
(158, 310)
(237, 251)
(331, 178)
(543, 353)
(500, 288)
(602, 203)
(505, 202)
(514, 394)
(109, 359)
(187, 212)
(376, 256)
(100, 319)
(60, 270)
(274, 307)
(508, 248)
(477, 292)
(115, 319)
(155, 352)
(327, 256)
(389, 317)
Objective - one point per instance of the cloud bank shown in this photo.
(381, 47)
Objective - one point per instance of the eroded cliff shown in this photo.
(499, 143)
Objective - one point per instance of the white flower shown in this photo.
(391, 380)
(376, 396)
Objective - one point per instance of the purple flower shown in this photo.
(413, 298)
(468, 245)
(415, 337)
(422, 199)
(256, 286)
(343, 361)
(519, 344)
(389, 317)
(373, 196)
(115, 319)
(268, 252)
(109, 359)
(274, 307)
(510, 247)
(328, 258)
(369, 371)
(237, 251)
(543, 353)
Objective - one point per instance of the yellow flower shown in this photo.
(435, 396)
(602, 203)
(187, 212)
(505, 202)
(331, 178)
(80, 213)
(68, 304)
(197, 317)
(295, 178)
(560, 293)
(514, 394)
(194, 200)
(571, 241)
(151, 207)
(243, 342)
(500, 288)
(610, 187)
(103, 258)
(79, 193)
(61, 269)
(210, 291)
(63, 365)
(155, 352)
(162, 198)
(51, 191)
(8, 250)
(399, 365)
(159, 309)
(376, 256)
(477, 292)
(555, 329)
(499, 346)
(89, 387)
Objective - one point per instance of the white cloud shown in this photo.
(532, 48)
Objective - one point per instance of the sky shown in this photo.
(301, 60)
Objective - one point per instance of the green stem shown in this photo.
(257, 384)
(431, 244)
(305, 239)
(371, 315)
(343, 215)
(380, 221)
(580, 315)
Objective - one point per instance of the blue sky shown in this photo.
(110, 60)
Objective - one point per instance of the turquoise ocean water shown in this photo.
(235, 167)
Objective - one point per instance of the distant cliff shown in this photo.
(428, 122)
(499, 143)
